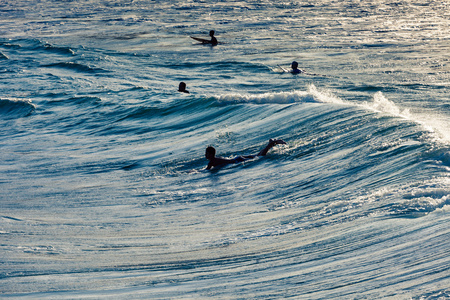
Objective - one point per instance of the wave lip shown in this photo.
(15, 108)
(280, 98)
(312, 95)
(435, 124)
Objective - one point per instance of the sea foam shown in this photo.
(312, 95)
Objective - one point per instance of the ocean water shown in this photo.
(103, 192)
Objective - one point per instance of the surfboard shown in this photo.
(283, 69)
(203, 41)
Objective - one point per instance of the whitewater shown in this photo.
(103, 187)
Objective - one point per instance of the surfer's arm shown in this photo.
(272, 142)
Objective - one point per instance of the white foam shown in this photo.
(266, 98)
(427, 196)
(312, 95)
(382, 104)
(324, 96)
(438, 125)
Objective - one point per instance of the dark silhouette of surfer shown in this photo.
(182, 88)
(295, 69)
(213, 41)
(215, 161)
(213, 38)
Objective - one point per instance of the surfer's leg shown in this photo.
(272, 142)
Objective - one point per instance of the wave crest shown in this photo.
(312, 95)
(379, 103)
(15, 108)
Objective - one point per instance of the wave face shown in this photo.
(15, 108)
(103, 187)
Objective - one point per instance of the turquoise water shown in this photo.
(103, 190)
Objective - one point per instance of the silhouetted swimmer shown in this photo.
(215, 161)
(213, 38)
(182, 88)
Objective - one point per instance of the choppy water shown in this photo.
(102, 187)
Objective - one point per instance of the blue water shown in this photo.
(103, 191)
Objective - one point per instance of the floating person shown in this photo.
(182, 88)
(215, 161)
(213, 41)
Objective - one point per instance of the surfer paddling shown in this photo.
(215, 161)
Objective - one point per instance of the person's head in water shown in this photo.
(182, 88)
(210, 152)
(211, 33)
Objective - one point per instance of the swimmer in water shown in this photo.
(215, 161)
(182, 88)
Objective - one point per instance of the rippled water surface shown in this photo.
(103, 190)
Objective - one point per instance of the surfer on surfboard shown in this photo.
(212, 42)
(295, 69)
(215, 161)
